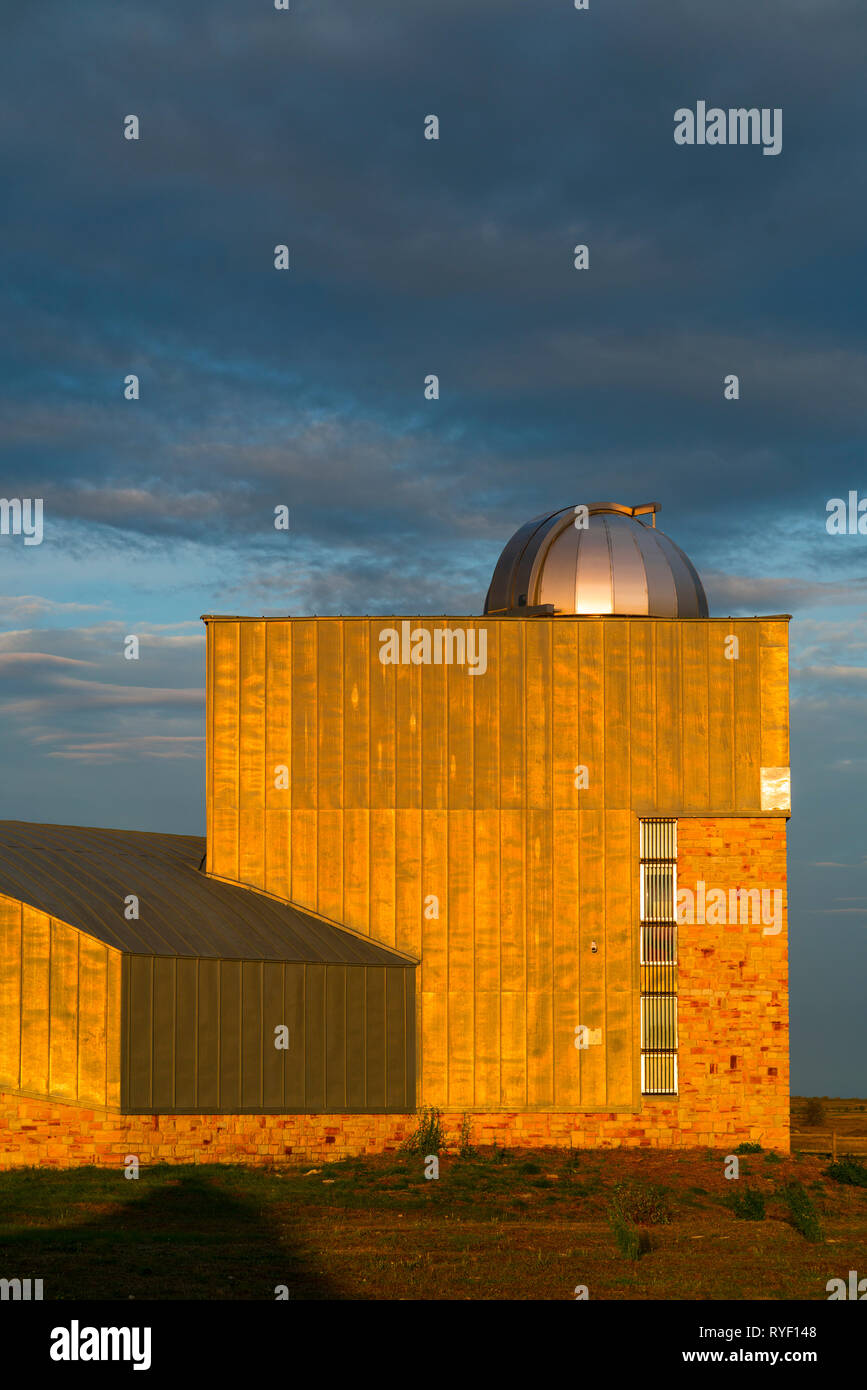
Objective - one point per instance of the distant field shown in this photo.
(520, 1225)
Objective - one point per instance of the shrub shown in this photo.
(428, 1137)
(529, 1168)
(815, 1112)
(642, 1203)
(748, 1149)
(848, 1169)
(802, 1213)
(747, 1204)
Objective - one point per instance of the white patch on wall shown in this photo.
(776, 789)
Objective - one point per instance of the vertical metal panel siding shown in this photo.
(59, 1022)
(253, 1044)
(409, 1012)
(335, 1037)
(200, 1036)
(356, 1037)
(187, 1043)
(208, 1097)
(416, 781)
(395, 1033)
(140, 1030)
(314, 1032)
(273, 1016)
(295, 1095)
(375, 1035)
(164, 1018)
(230, 1035)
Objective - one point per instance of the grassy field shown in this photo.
(507, 1225)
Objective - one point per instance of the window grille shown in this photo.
(658, 956)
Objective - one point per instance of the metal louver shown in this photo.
(658, 956)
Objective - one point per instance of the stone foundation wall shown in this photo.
(37, 1133)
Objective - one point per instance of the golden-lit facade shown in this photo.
(473, 834)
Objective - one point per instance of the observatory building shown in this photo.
(528, 867)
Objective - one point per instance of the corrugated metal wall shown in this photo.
(199, 1035)
(416, 781)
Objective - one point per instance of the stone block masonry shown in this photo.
(45, 1134)
(733, 992)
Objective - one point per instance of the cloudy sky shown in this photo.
(410, 257)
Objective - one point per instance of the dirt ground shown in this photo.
(492, 1225)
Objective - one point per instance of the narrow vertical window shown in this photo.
(658, 956)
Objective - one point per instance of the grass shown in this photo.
(512, 1224)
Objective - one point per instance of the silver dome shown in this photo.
(619, 564)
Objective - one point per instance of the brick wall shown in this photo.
(733, 1059)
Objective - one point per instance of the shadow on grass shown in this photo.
(180, 1235)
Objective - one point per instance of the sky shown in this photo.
(409, 257)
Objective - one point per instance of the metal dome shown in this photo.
(618, 564)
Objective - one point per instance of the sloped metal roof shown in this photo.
(82, 876)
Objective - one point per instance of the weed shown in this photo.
(849, 1170)
(631, 1242)
(642, 1203)
(529, 1168)
(802, 1213)
(772, 1157)
(428, 1137)
(748, 1149)
(747, 1204)
(465, 1148)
